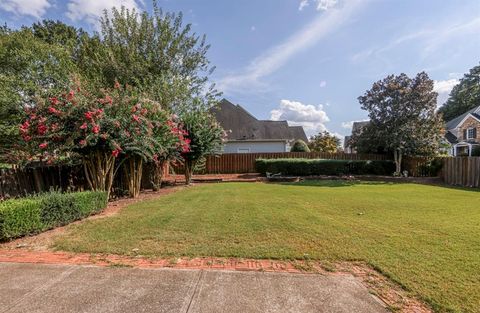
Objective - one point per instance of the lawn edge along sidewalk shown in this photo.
(390, 293)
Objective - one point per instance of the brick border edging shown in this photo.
(387, 291)
(111, 260)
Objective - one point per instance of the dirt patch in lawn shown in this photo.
(43, 241)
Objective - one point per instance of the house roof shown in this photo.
(451, 138)
(453, 123)
(357, 126)
(241, 125)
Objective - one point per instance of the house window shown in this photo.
(471, 133)
(243, 150)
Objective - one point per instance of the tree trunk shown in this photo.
(99, 169)
(397, 156)
(133, 175)
(157, 174)
(189, 168)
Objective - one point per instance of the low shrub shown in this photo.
(311, 167)
(300, 146)
(20, 217)
(431, 168)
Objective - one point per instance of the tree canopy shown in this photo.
(402, 117)
(300, 146)
(464, 96)
(324, 142)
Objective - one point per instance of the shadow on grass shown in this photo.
(350, 183)
(335, 183)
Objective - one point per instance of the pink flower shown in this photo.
(70, 95)
(53, 110)
(41, 129)
(24, 127)
(136, 118)
(117, 124)
(43, 145)
(54, 101)
(117, 85)
(89, 115)
(116, 152)
(95, 129)
(83, 142)
(27, 138)
(83, 126)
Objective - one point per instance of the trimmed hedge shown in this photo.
(312, 167)
(20, 217)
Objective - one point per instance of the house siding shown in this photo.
(469, 123)
(256, 147)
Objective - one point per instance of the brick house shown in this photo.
(463, 133)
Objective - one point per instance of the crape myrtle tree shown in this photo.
(97, 128)
(29, 67)
(205, 137)
(402, 116)
(324, 142)
(464, 96)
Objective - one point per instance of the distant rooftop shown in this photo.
(241, 125)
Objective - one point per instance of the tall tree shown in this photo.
(464, 96)
(324, 142)
(159, 55)
(402, 116)
(28, 67)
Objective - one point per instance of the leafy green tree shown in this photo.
(402, 117)
(464, 96)
(205, 137)
(300, 146)
(324, 142)
(157, 54)
(29, 67)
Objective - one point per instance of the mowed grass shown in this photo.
(426, 238)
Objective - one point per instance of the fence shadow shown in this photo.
(335, 183)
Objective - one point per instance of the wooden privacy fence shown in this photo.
(23, 181)
(238, 163)
(462, 171)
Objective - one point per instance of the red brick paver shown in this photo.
(49, 257)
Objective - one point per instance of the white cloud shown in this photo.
(276, 57)
(430, 39)
(312, 118)
(35, 8)
(326, 4)
(347, 125)
(91, 10)
(323, 83)
(303, 4)
(443, 88)
(322, 5)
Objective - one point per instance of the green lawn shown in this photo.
(426, 238)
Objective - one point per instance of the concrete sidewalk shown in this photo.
(74, 288)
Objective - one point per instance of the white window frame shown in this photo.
(243, 150)
(470, 136)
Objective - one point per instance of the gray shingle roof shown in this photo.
(454, 122)
(241, 125)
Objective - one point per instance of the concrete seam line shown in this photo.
(45, 286)
(195, 291)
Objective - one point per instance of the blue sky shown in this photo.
(306, 61)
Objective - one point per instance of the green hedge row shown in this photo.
(20, 217)
(312, 167)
